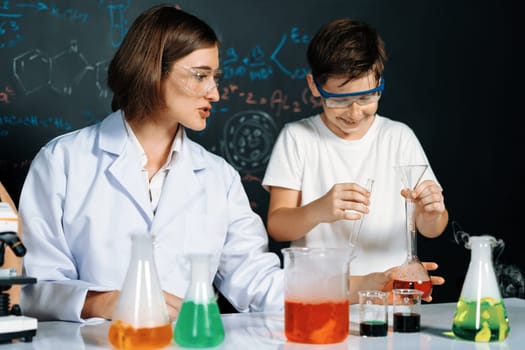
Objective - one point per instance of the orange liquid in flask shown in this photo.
(124, 336)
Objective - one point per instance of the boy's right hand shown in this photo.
(344, 201)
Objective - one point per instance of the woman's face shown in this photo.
(352, 121)
(190, 88)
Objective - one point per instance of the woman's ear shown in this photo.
(311, 85)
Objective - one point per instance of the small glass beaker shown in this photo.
(407, 310)
(316, 309)
(373, 313)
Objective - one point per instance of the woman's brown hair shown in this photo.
(156, 39)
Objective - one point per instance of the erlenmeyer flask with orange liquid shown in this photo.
(140, 320)
(412, 274)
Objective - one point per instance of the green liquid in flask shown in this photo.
(199, 325)
(489, 323)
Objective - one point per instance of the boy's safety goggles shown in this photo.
(333, 100)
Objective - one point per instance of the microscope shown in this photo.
(13, 325)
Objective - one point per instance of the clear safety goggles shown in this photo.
(199, 81)
(333, 100)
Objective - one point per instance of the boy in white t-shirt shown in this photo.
(319, 165)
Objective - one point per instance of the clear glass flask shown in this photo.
(199, 323)
(412, 274)
(141, 320)
(481, 315)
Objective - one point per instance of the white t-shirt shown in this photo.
(309, 158)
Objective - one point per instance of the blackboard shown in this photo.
(451, 76)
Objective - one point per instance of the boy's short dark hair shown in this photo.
(346, 47)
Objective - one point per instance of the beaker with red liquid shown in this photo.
(316, 309)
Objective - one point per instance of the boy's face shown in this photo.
(352, 121)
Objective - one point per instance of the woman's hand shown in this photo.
(102, 304)
(174, 304)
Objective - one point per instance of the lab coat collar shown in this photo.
(113, 135)
(181, 179)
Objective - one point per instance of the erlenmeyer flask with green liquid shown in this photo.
(199, 323)
(481, 315)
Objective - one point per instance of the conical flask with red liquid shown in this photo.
(412, 274)
(481, 315)
(141, 320)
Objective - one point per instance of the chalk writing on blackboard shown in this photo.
(34, 121)
(247, 140)
(5, 95)
(255, 65)
(12, 12)
(294, 37)
(277, 100)
(117, 23)
(63, 72)
(31, 69)
(84, 117)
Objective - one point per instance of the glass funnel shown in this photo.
(141, 319)
(481, 315)
(199, 324)
(412, 274)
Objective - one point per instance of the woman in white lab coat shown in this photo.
(137, 171)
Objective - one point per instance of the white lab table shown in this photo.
(264, 331)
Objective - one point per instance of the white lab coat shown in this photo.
(85, 194)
